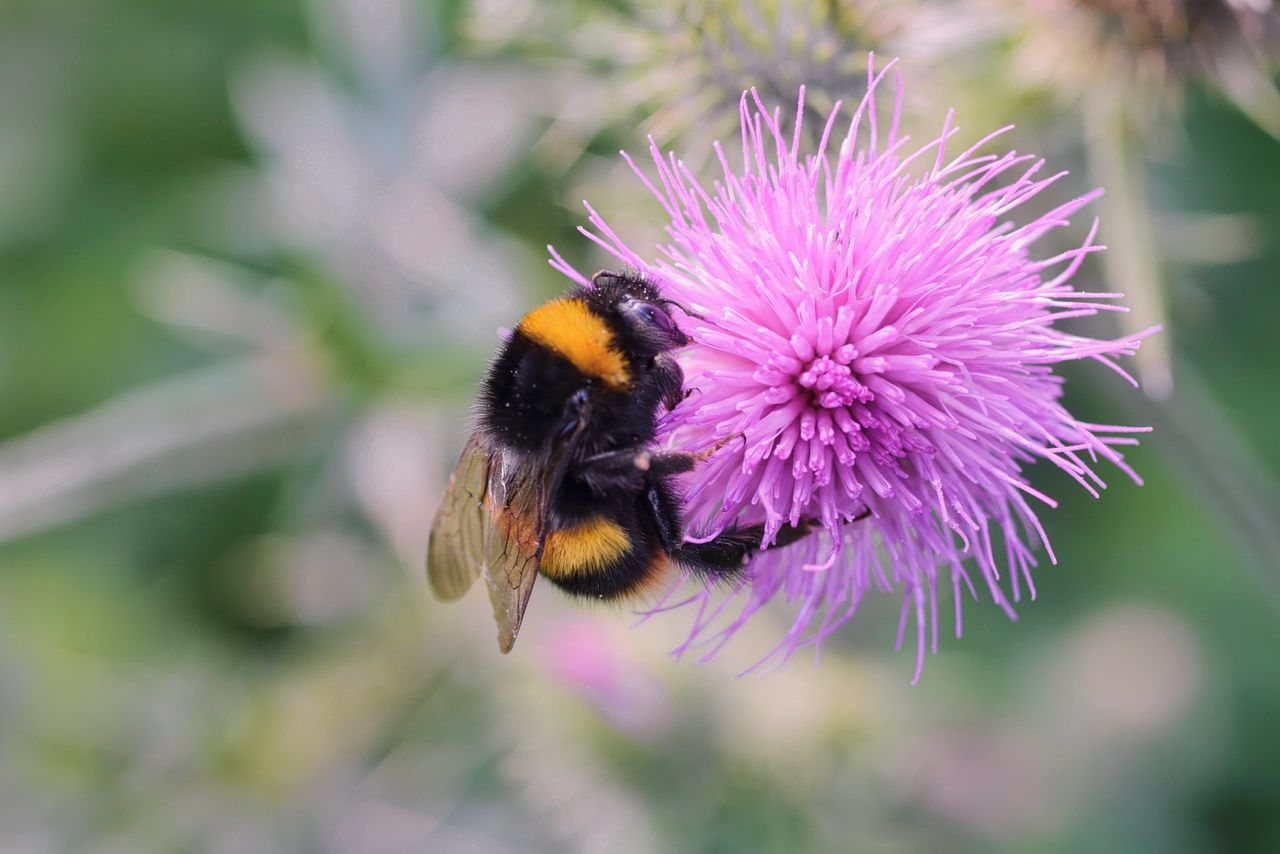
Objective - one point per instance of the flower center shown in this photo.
(832, 383)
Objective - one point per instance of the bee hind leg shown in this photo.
(721, 558)
(728, 553)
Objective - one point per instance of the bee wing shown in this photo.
(490, 523)
(520, 493)
(455, 552)
(513, 546)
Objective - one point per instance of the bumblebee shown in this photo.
(559, 478)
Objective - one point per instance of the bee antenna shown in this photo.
(684, 309)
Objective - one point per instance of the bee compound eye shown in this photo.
(654, 316)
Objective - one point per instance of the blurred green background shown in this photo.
(253, 254)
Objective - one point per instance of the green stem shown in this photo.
(1130, 263)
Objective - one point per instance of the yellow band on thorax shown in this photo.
(567, 327)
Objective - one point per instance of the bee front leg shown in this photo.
(669, 378)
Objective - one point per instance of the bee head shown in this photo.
(637, 312)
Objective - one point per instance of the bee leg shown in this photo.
(631, 467)
(734, 548)
(627, 468)
(605, 278)
(785, 536)
(679, 462)
(663, 510)
(723, 557)
(669, 378)
(728, 553)
(793, 533)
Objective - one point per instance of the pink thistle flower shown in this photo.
(881, 335)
